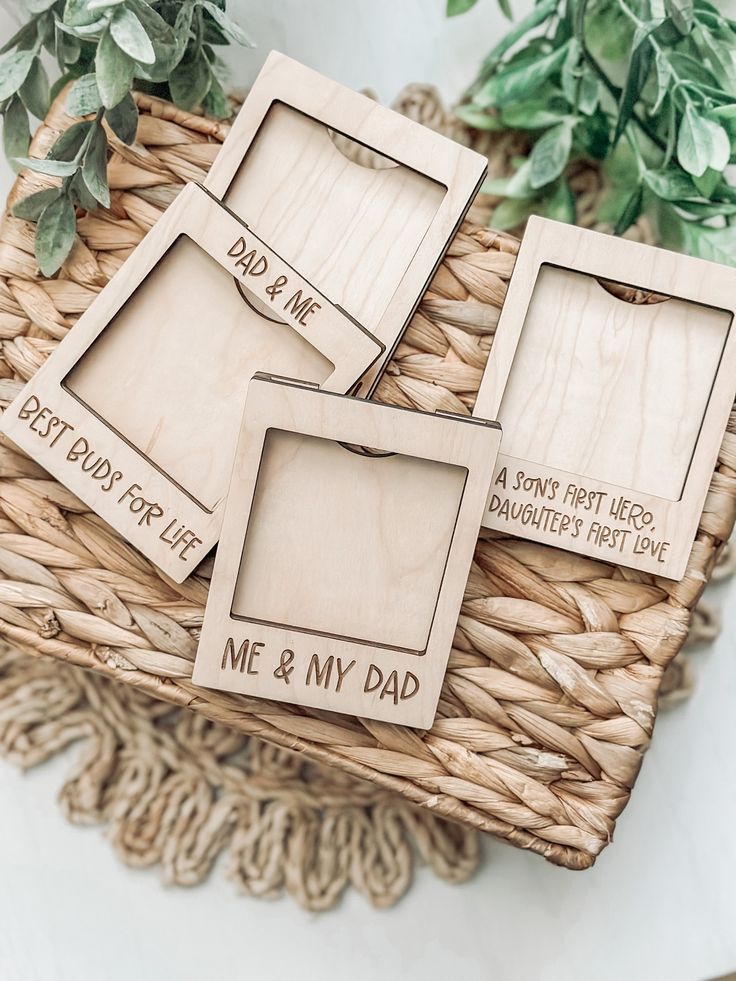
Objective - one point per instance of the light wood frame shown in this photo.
(247, 653)
(138, 498)
(660, 531)
(460, 171)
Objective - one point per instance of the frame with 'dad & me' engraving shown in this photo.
(348, 536)
(368, 226)
(138, 410)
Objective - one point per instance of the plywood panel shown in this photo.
(611, 390)
(370, 231)
(137, 411)
(339, 577)
(172, 345)
(613, 411)
(351, 228)
(354, 545)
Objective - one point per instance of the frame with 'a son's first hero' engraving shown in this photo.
(613, 373)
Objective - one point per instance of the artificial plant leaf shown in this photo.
(704, 209)
(571, 71)
(520, 81)
(168, 43)
(80, 193)
(605, 29)
(123, 119)
(693, 69)
(511, 213)
(630, 212)
(716, 244)
(114, 70)
(536, 16)
(16, 130)
(54, 168)
(228, 27)
(182, 27)
(671, 185)
(717, 55)
(682, 14)
(589, 92)
(455, 7)
(534, 113)
(695, 141)
(663, 76)
(86, 32)
(55, 233)
(190, 81)
(478, 118)
(708, 182)
(35, 90)
(84, 96)
(560, 205)
(641, 61)
(516, 186)
(14, 67)
(79, 13)
(38, 6)
(130, 36)
(159, 32)
(67, 49)
(94, 169)
(216, 102)
(720, 146)
(550, 154)
(31, 207)
(69, 143)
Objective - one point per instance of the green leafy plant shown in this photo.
(105, 48)
(646, 88)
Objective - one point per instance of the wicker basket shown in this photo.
(551, 692)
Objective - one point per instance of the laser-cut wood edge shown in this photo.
(287, 670)
(157, 515)
(631, 263)
(459, 169)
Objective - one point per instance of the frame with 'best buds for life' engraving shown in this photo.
(138, 410)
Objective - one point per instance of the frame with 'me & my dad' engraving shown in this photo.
(361, 199)
(138, 410)
(348, 536)
(613, 411)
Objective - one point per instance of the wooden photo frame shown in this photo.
(613, 411)
(369, 234)
(138, 410)
(348, 537)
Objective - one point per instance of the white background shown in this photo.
(660, 905)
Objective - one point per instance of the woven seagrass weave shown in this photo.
(550, 695)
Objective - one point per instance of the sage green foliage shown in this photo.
(646, 87)
(106, 48)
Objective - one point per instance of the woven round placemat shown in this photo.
(552, 685)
